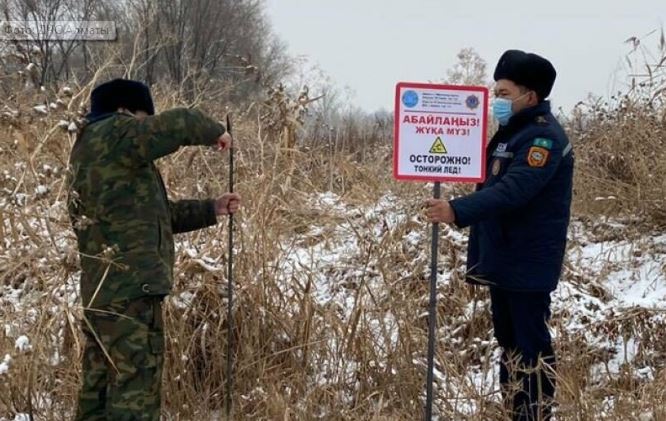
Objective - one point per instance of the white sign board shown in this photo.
(440, 133)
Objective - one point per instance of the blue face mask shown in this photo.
(503, 110)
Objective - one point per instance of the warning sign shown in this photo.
(440, 132)
(438, 147)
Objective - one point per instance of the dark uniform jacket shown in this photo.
(520, 215)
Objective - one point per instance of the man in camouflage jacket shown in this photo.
(124, 225)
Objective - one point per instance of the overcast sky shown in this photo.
(369, 45)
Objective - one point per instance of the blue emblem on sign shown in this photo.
(410, 99)
(472, 102)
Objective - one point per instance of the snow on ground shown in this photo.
(604, 281)
(18, 417)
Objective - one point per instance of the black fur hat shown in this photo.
(120, 93)
(529, 70)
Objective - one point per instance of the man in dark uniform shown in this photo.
(519, 218)
(124, 225)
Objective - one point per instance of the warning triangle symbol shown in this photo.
(438, 147)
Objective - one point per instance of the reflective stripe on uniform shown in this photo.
(503, 154)
(567, 150)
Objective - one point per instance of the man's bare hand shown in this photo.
(224, 142)
(227, 204)
(440, 211)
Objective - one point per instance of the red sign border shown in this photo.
(396, 131)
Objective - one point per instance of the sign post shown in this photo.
(230, 289)
(432, 308)
(440, 136)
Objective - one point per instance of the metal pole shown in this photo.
(230, 286)
(432, 315)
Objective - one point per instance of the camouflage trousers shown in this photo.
(122, 361)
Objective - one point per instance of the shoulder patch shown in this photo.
(542, 120)
(543, 143)
(537, 157)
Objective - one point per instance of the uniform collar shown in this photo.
(527, 115)
(94, 118)
(518, 121)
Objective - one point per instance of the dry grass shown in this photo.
(621, 141)
(624, 151)
(355, 353)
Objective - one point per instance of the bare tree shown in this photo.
(470, 69)
(214, 42)
(207, 47)
(50, 59)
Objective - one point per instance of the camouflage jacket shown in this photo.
(118, 204)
